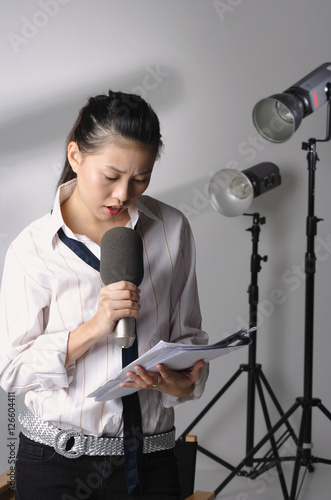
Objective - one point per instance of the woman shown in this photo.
(60, 347)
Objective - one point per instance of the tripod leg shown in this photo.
(324, 410)
(277, 405)
(272, 437)
(305, 419)
(211, 403)
(256, 448)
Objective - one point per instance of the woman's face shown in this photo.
(111, 180)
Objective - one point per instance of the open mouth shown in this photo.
(113, 210)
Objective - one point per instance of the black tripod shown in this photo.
(251, 466)
(304, 456)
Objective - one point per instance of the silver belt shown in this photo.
(45, 433)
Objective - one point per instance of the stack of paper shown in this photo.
(178, 357)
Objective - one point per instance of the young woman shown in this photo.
(57, 317)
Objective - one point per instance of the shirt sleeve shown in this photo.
(185, 309)
(31, 358)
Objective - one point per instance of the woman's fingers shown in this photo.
(117, 300)
(178, 384)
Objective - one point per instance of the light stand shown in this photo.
(256, 380)
(277, 118)
(304, 456)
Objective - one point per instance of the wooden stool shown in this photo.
(202, 495)
(5, 492)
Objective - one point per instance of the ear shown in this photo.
(74, 155)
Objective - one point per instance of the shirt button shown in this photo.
(116, 419)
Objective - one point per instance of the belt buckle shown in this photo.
(61, 440)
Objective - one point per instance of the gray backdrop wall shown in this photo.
(202, 64)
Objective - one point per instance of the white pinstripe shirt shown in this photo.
(47, 291)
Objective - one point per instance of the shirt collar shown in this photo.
(65, 191)
(141, 207)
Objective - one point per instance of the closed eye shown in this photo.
(141, 181)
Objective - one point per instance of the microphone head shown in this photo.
(121, 257)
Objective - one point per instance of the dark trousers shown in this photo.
(42, 474)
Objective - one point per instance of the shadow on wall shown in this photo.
(51, 120)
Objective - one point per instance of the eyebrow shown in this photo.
(121, 171)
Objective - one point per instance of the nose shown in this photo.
(121, 191)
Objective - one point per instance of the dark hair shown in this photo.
(112, 117)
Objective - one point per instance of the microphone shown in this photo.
(121, 259)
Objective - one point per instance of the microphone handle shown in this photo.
(125, 332)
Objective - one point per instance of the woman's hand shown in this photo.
(117, 300)
(178, 384)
